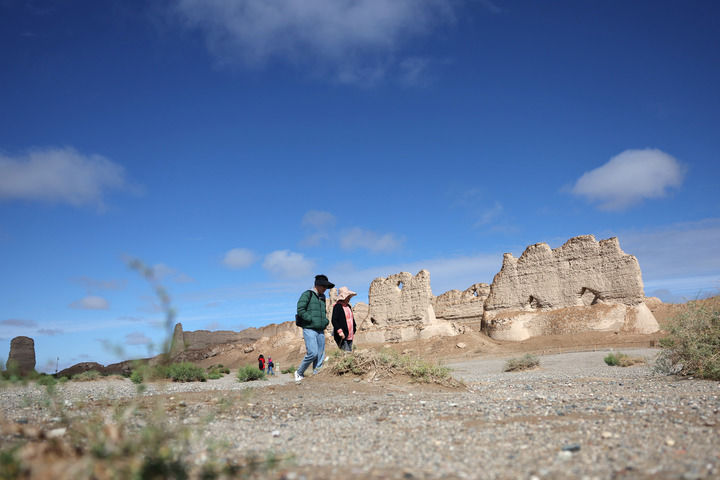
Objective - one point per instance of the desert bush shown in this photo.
(692, 346)
(46, 380)
(214, 375)
(250, 372)
(622, 360)
(525, 362)
(186, 372)
(86, 376)
(217, 371)
(290, 369)
(382, 364)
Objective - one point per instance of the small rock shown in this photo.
(461, 345)
(606, 435)
(56, 432)
(276, 433)
(669, 442)
(573, 447)
(564, 455)
(22, 421)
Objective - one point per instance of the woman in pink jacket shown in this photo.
(343, 321)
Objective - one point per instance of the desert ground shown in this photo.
(571, 417)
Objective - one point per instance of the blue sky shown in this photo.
(239, 148)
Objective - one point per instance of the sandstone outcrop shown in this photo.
(462, 306)
(401, 309)
(22, 355)
(582, 285)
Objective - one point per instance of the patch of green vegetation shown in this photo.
(290, 369)
(186, 372)
(692, 346)
(86, 376)
(525, 362)
(249, 373)
(622, 360)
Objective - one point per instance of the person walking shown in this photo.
(343, 321)
(311, 317)
(270, 366)
(261, 363)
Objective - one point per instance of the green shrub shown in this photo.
(86, 376)
(46, 380)
(136, 376)
(214, 375)
(692, 346)
(290, 369)
(250, 372)
(186, 372)
(525, 362)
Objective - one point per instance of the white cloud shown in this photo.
(60, 175)
(357, 41)
(629, 178)
(91, 302)
(93, 284)
(50, 331)
(137, 338)
(287, 264)
(318, 219)
(359, 238)
(239, 258)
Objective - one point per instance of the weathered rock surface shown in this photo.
(462, 306)
(22, 355)
(401, 309)
(582, 285)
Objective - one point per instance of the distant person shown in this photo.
(270, 366)
(311, 317)
(261, 363)
(343, 320)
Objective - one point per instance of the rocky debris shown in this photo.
(464, 306)
(401, 309)
(582, 285)
(22, 355)
(653, 303)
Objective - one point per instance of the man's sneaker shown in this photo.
(298, 377)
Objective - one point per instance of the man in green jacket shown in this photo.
(312, 317)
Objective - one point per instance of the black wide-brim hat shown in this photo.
(322, 281)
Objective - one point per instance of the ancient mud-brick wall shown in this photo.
(462, 306)
(200, 339)
(401, 299)
(585, 277)
(581, 272)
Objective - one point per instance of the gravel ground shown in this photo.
(573, 417)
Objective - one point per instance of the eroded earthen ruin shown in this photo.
(22, 355)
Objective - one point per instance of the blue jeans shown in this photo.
(315, 346)
(270, 371)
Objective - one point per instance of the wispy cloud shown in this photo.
(353, 41)
(137, 338)
(629, 178)
(358, 238)
(61, 175)
(489, 215)
(90, 302)
(164, 272)
(18, 322)
(287, 264)
(239, 258)
(94, 285)
(318, 226)
(50, 331)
